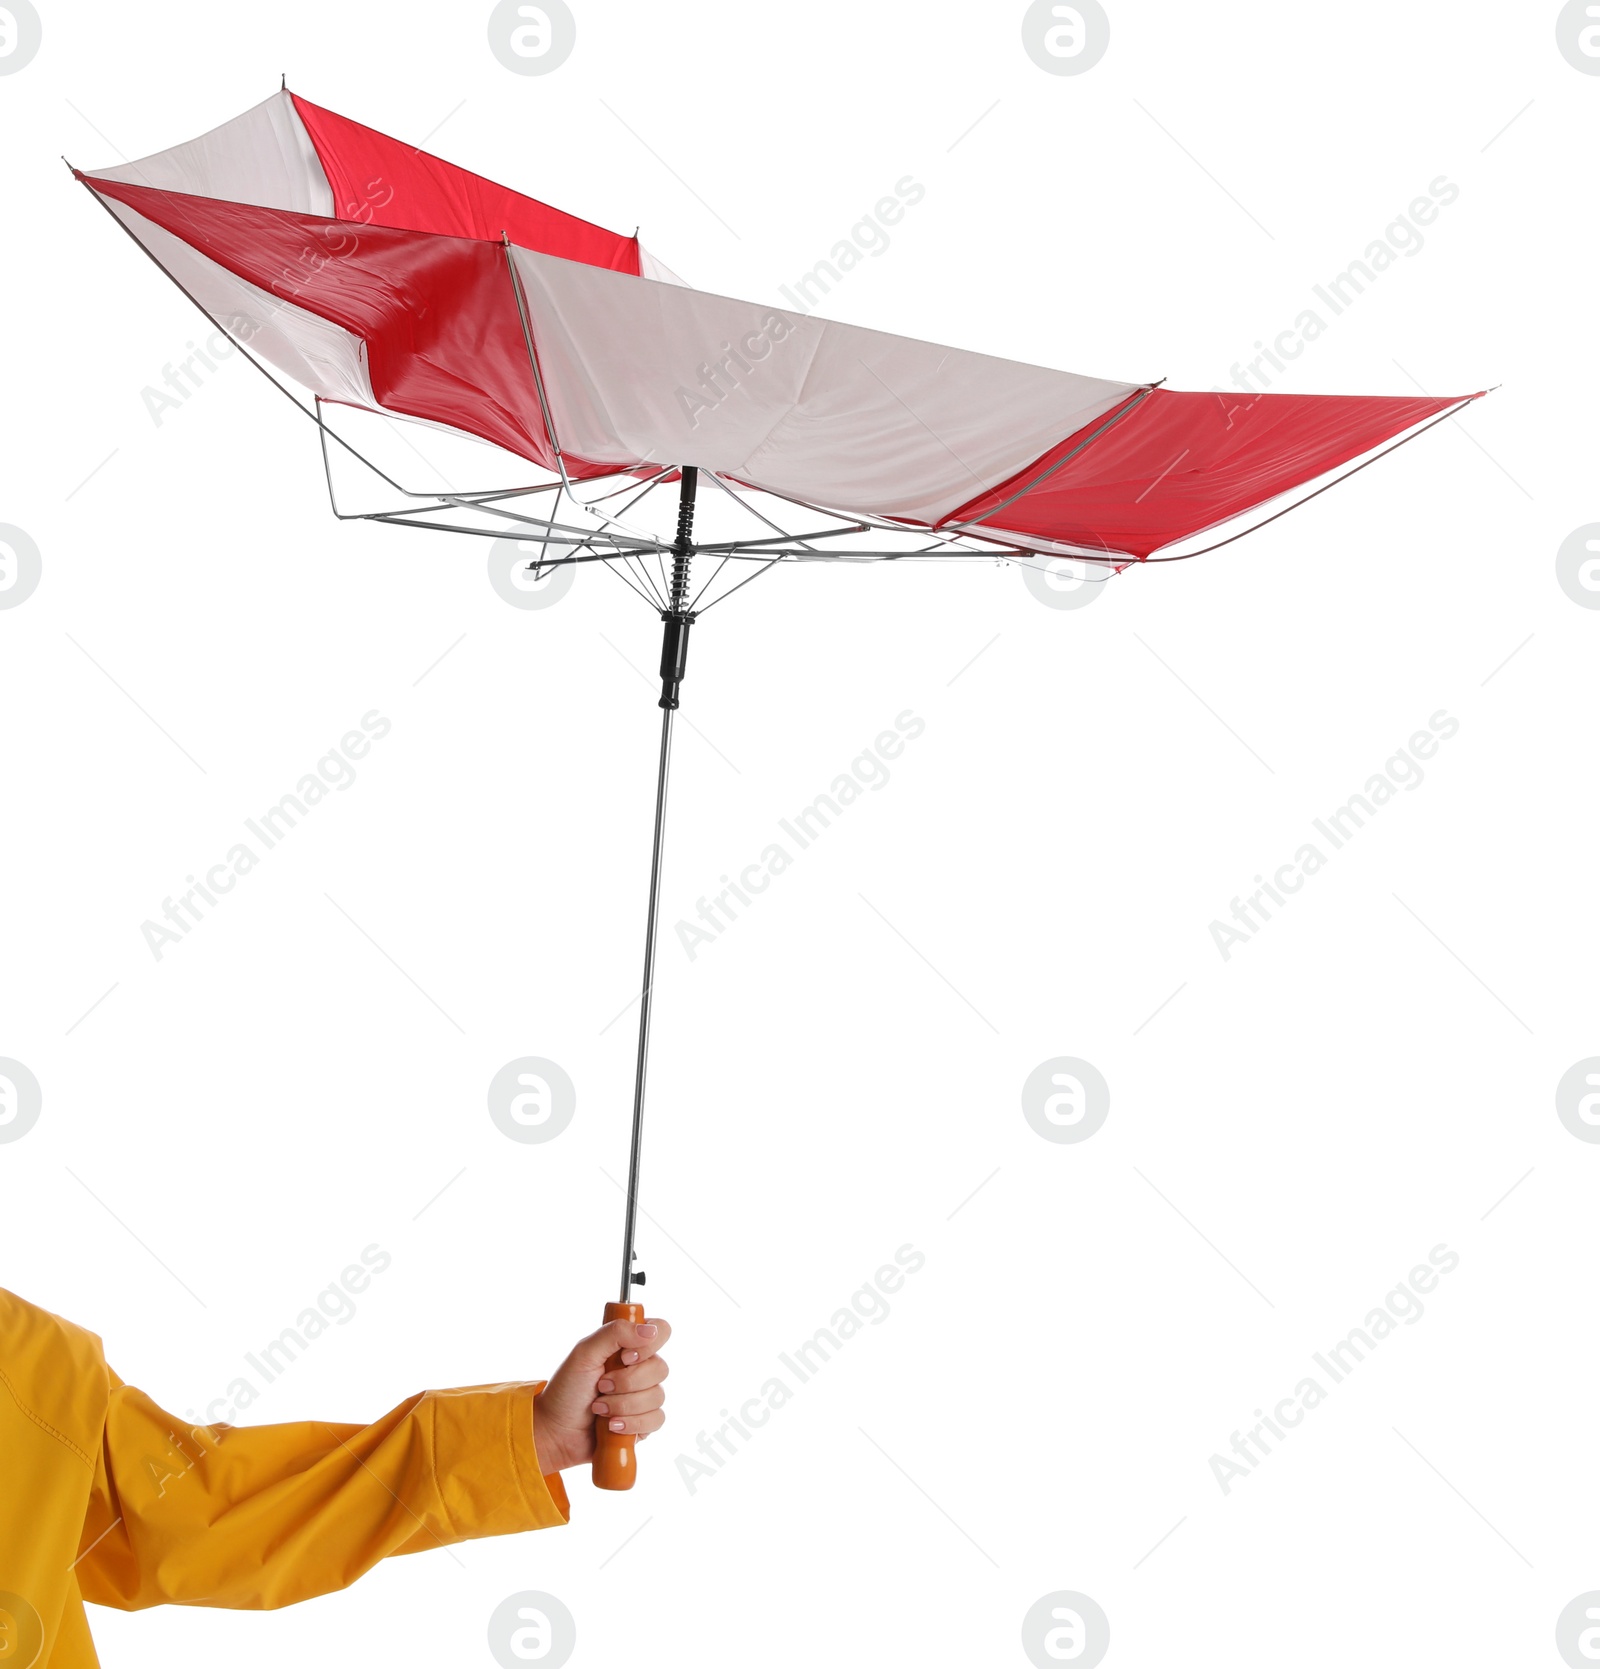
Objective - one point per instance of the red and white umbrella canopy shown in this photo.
(378, 276)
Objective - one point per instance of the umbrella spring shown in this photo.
(676, 617)
(678, 594)
(683, 545)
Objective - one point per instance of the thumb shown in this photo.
(605, 1342)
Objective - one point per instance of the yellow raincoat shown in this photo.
(103, 1497)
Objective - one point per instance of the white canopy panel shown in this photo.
(859, 420)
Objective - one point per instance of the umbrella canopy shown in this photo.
(380, 277)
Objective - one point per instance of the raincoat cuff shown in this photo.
(486, 1465)
(540, 1488)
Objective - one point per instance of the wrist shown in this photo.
(556, 1447)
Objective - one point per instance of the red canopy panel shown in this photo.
(377, 180)
(437, 316)
(1173, 464)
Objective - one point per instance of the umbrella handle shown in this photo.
(614, 1465)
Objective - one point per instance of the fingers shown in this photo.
(638, 1425)
(639, 1377)
(629, 1397)
(629, 1403)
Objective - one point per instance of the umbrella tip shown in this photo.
(283, 81)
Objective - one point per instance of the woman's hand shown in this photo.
(628, 1397)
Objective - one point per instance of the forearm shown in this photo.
(264, 1516)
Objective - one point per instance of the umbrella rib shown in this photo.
(694, 602)
(766, 521)
(650, 597)
(625, 575)
(555, 510)
(398, 518)
(865, 520)
(654, 481)
(633, 556)
(533, 361)
(599, 556)
(538, 383)
(744, 504)
(742, 584)
(483, 498)
(627, 581)
(649, 487)
(649, 580)
(1116, 417)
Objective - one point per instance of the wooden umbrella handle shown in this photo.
(614, 1464)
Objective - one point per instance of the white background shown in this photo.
(1289, 1134)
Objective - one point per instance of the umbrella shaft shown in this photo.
(647, 991)
(676, 621)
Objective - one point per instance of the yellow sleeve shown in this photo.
(256, 1517)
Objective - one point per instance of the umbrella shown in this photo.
(386, 280)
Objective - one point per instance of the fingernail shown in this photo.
(617, 1425)
(606, 1385)
(629, 1357)
(647, 1329)
(600, 1408)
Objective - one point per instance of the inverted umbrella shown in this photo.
(384, 279)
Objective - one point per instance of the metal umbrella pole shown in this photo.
(614, 1463)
